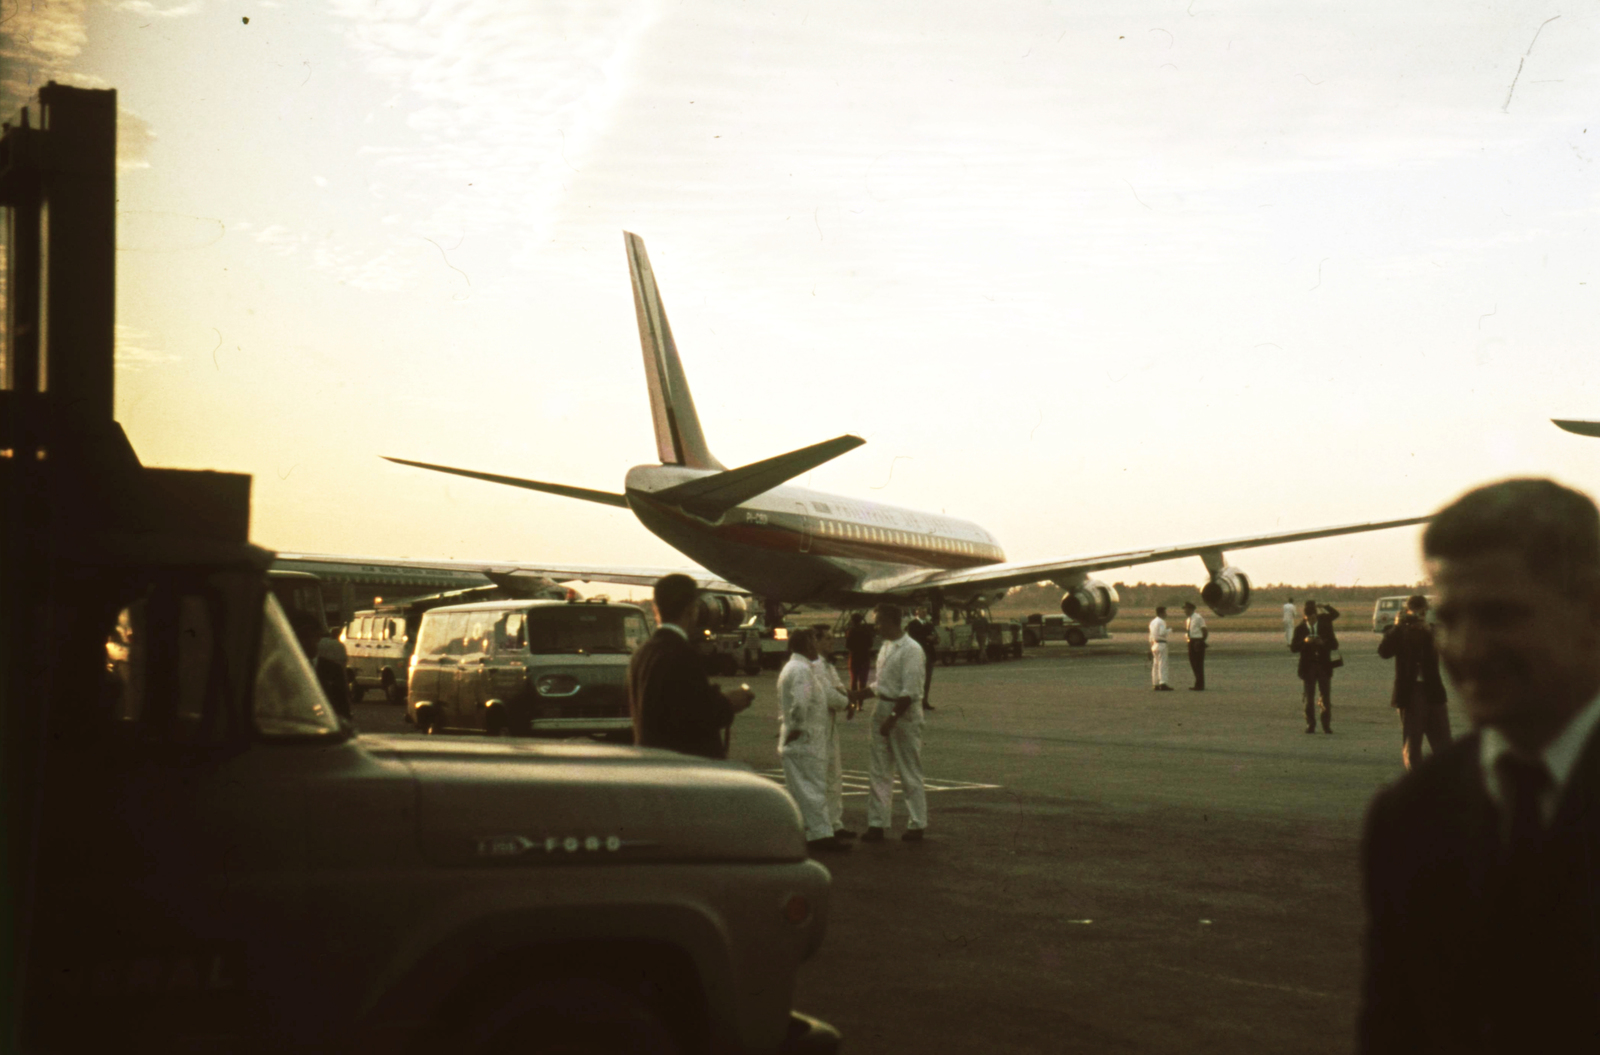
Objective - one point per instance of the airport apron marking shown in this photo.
(858, 783)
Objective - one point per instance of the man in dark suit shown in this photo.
(1419, 693)
(1482, 866)
(673, 704)
(1316, 643)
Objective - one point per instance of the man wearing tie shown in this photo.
(1482, 865)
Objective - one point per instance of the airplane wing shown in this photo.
(491, 570)
(1018, 573)
(1582, 428)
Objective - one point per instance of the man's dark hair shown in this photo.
(800, 640)
(889, 611)
(1311, 608)
(674, 594)
(1416, 603)
(1554, 529)
(1161, 609)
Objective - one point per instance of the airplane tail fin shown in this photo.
(711, 496)
(679, 440)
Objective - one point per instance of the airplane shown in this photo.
(791, 546)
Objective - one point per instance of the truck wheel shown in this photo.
(1077, 638)
(356, 691)
(396, 693)
(575, 1017)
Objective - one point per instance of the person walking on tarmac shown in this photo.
(896, 730)
(1291, 616)
(1319, 655)
(838, 703)
(1158, 651)
(1419, 693)
(803, 741)
(858, 644)
(1199, 637)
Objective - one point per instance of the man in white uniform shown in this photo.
(1158, 651)
(833, 691)
(803, 740)
(896, 729)
(1195, 630)
(1291, 616)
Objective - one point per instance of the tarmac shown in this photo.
(1107, 868)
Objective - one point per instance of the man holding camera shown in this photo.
(1419, 693)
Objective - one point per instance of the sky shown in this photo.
(1094, 275)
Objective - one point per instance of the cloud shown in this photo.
(38, 42)
(502, 101)
(138, 349)
(149, 10)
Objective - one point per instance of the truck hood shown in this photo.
(495, 802)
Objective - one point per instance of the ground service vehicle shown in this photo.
(378, 645)
(772, 643)
(201, 856)
(1386, 609)
(272, 882)
(525, 667)
(1040, 628)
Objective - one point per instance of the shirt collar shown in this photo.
(1560, 756)
(676, 629)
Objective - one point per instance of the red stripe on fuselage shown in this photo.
(785, 538)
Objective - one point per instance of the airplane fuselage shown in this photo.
(795, 545)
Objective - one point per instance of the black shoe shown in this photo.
(1311, 728)
(911, 835)
(927, 706)
(825, 846)
(1163, 688)
(874, 835)
(1197, 688)
(844, 833)
(1327, 728)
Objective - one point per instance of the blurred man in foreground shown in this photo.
(673, 704)
(1482, 866)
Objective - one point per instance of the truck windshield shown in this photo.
(288, 700)
(579, 628)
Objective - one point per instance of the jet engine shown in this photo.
(1091, 603)
(1228, 592)
(721, 612)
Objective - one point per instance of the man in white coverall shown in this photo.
(1291, 616)
(896, 729)
(833, 691)
(1158, 651)
(803, 740)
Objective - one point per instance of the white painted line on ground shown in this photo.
(1243, 981)
(856, 783)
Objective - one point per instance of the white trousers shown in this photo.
(900, 750)
(1288, 634)
(1158, 663)
(835, 774)
(806, 777)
